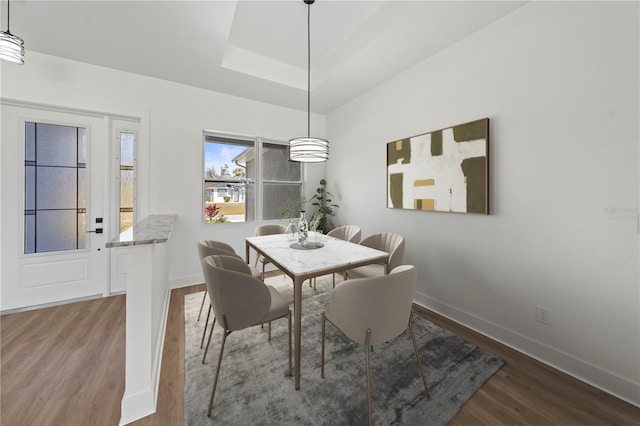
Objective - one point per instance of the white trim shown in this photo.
(186, 280)
(147, 278)
(613, 384)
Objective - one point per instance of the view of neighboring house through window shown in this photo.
(55, 169)
(246, 178)
(127, 178)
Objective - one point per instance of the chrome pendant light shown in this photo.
(308, 149)
(11, 47)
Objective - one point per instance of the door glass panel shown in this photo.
(127, 179)
(126, 148)
(30, 232)
(82, 146)
(30, 142)
(56, 145)
(56, 230)
(55, 187)
(30, 187)
(82, 187)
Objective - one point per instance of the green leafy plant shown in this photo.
(323, 199)
(315, 221)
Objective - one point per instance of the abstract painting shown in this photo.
(445, 170)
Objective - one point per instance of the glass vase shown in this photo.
(291, 230)
(303, 230)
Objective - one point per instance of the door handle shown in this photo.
(97, 231)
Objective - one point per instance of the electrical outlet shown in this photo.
(543, 315)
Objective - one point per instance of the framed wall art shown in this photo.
(445, 170)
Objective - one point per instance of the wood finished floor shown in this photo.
(65, 366)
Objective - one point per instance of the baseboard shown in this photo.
(135, 407)
(600, 378)
(193, 279)
(186, 280)
(142, 404)
(51, 304)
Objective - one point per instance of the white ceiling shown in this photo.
(254, 49)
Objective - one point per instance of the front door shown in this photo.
(55, 216)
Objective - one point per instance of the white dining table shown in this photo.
(302, 264)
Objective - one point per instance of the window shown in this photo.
(55, 187)
(126, 178)
(247, 178)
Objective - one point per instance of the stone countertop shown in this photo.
(154, 229)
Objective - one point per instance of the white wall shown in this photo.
(559, 82)
(174, 117)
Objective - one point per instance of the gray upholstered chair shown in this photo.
(267, 229)
(210, 248)
(374, 310)
(351, 233)
(390, 242)
(240, 301)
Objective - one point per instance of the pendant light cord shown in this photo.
(8, 4)
(308, 70)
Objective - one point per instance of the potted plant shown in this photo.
(323, 200)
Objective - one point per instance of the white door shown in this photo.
(55, 194)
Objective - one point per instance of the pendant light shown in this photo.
(11, 47)
(308, 149)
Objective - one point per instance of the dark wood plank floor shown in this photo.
(65, 366)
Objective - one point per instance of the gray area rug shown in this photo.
(255, 389)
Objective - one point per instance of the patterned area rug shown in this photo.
(255, 389)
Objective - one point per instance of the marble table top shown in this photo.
(154, 229)
(335, 254)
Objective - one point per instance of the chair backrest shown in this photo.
(210, 248)
(238, 299)
(390, 242)
(351, 233)
(270, 229)
(381, 304)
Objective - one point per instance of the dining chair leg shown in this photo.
(206, 350)
(415, 349)
(324, 320)
(215, 379)
(202, 305)
(204, 332)
(290, 364)
(366, 352)
(269, 330)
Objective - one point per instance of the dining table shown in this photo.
(304, 262)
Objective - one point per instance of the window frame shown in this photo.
(258, 183)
